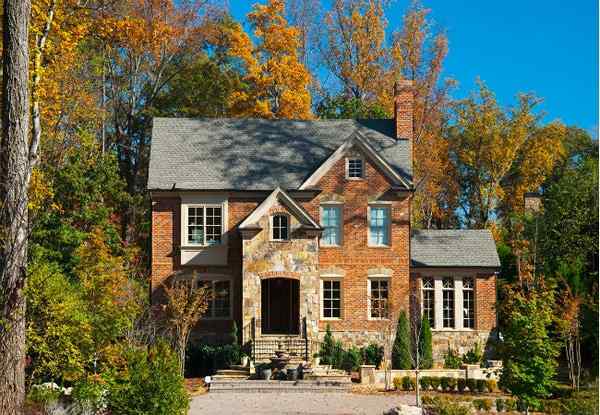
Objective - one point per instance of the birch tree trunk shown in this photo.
(15, 173)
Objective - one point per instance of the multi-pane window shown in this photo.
(355, 168)
(468, 303)
(332, 299)
(448, 303)
(379, 226)
(219, 306)
(332, 225)
(378, 298)
(428, 301)
(204, 225)
(280, 227)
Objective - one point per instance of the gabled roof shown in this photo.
(257, 154)
(279, 195)
(359, 141)
(453, 248)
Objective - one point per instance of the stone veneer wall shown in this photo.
(296, 258)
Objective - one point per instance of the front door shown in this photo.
(280, 306)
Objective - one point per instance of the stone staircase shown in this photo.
(279, 386)
(235, 373)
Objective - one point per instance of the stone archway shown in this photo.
(280, 306)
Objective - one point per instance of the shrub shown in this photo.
(461, 383)
(407, 383)
(150, 382)
(482, 404)
(474, 355)
(425, 346)
(554, 407)
(500, 405)
(472, 385)
(44, 394)
(444, 382)
(446, 406)
(435, 382)
(402, 350)
(481, 386)
(491, 385)
(478, 404)
(205, 359)
(427, 399)
(452, 382)
(397, 383)
(584, 403)
(90, 395)
(372, 354)
(338, 355)
(425, 382)
(510, 404)
(352, 359)
(452, 359)
(327, 347)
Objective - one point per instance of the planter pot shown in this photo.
(266, 374)
(292, 374)
(317, 361)
(245, 361)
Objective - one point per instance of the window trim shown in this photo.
(214, 278)
(432, 290)
(370, 279)
(340, 207)
(363, 168)
(184, 222)
(272, 228)
(473, 292)
(388, 207)
(322, 297)
(438, 313)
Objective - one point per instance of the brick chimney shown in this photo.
(404, 97)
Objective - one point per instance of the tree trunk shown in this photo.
(15, 173)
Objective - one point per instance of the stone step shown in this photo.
(239, 367)
(223, 385)
(232, 372)
(230, 377)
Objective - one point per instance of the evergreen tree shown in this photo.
(402, 350)
(425, 348)
(327, 347)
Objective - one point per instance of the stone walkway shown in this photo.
(296, 403)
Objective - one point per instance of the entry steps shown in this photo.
(234, 373)
(279, 386)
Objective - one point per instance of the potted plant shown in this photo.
(266, 372)
(245, 360)
(316, 359)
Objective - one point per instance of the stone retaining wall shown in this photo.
(369, 375)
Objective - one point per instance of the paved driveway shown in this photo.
(296, 403)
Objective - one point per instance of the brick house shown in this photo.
(301, 224)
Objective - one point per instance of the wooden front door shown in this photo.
(280, 306)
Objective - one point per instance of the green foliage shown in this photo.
(425, 345)
(472, 385)
(206, 359)
(500, 405)
(397, 381)
(528, 315)
(349, 108)
(425, 382)
(408, 383)
(461, 383)
(511, 405)
(474, 355)
(584, 402)
(352, 359)
(445, 406)
(435, 382)
(402, 349)
(150, 383)
(59, 339)
(452, 359)
(90, 395)
(372, 354)
(481, 386)
(482, 404)
(44, 394)
(327, 347)
(452, 383)
(444, 382)
(491, 385)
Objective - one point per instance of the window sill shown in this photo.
(379, 246)
(354, 179)
(331, 318)
(378, 319)
(199, 247)
(467, 330)
(331, 246)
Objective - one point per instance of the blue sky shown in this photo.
(546, 47)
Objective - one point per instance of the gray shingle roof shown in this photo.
(453, 248)
(256, 154)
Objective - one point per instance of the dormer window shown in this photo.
(355, 168)
(280, 228)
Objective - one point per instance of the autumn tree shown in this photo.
(186, 303)
(277, 81)
(493, 149)
(417, 53)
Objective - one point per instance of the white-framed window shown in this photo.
(448, 302)
(428, 300)
(331, 221)
(468, 294)
(204, 225)
(219, 306)
(378, 298)
(379, 226)
(331, 294)
(280, 227)
(355, 168)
